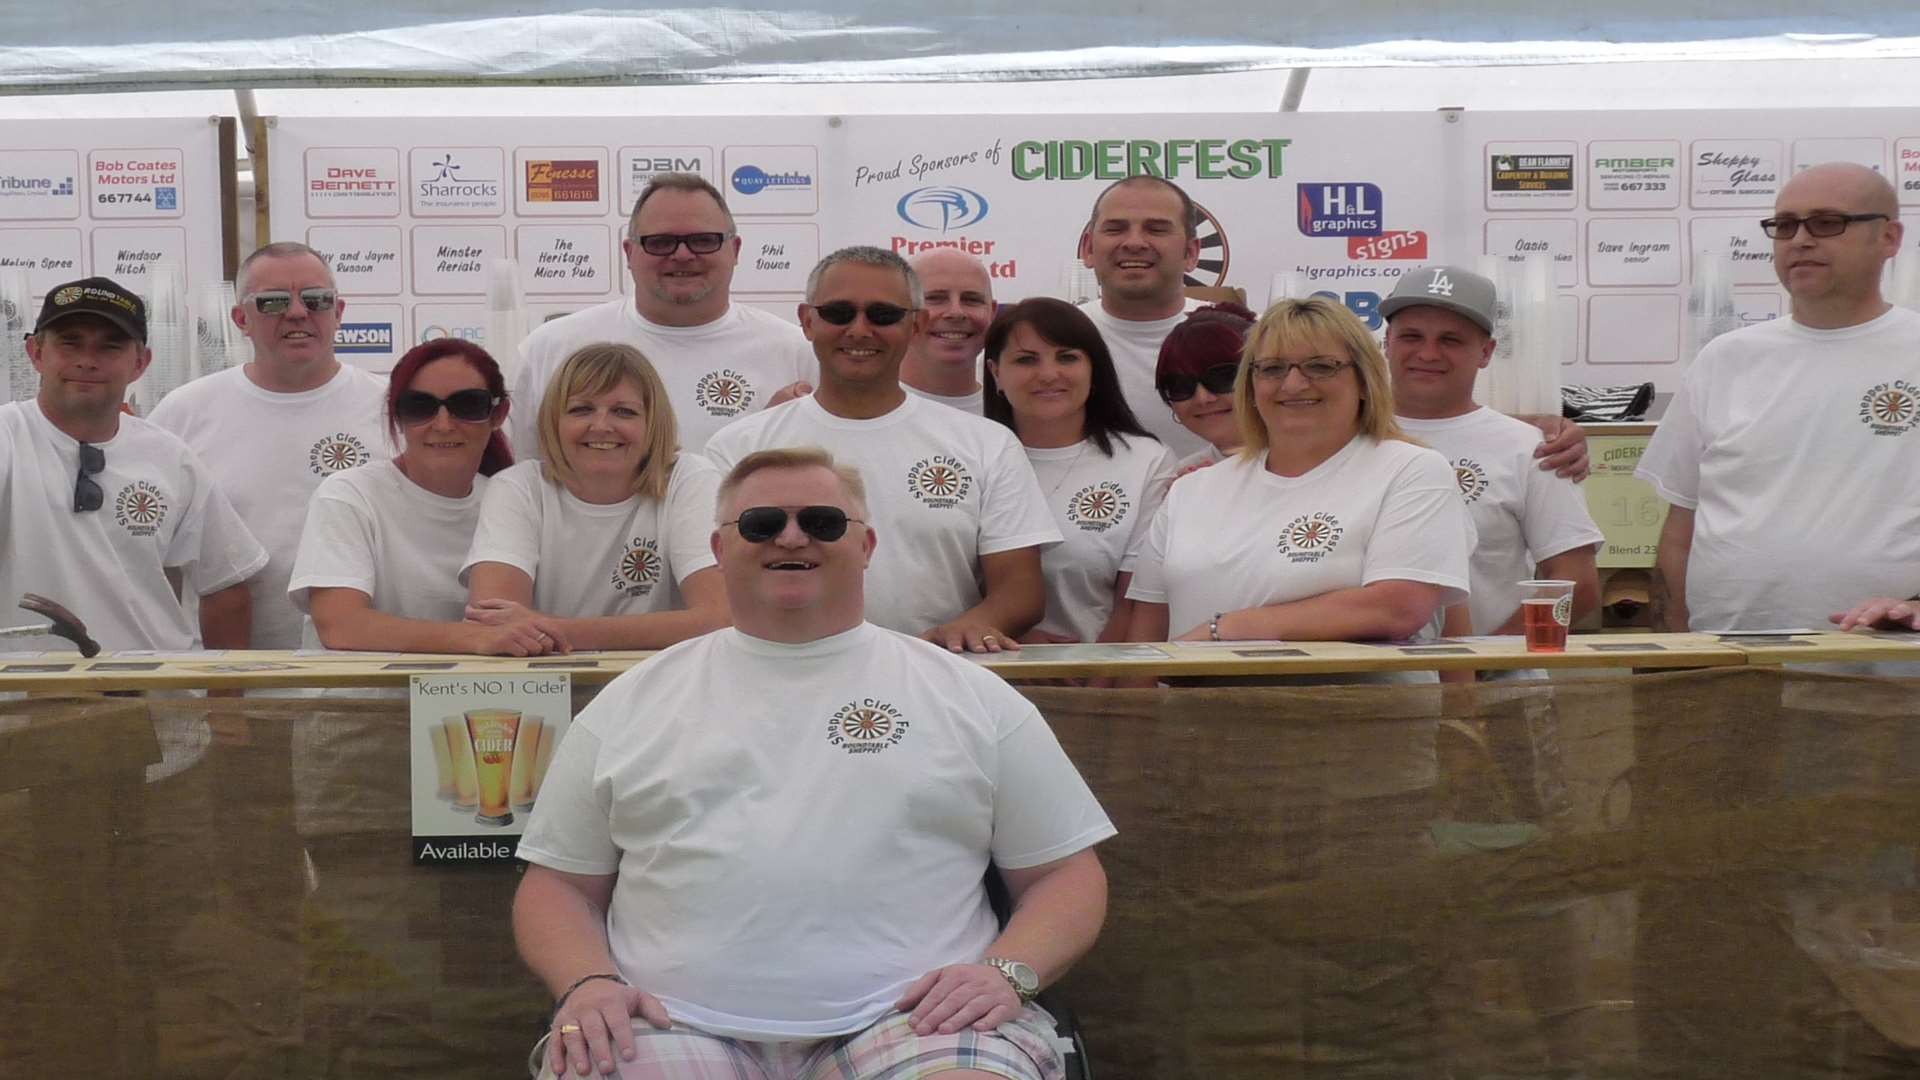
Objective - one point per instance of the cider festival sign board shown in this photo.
(481, 745)
(1628, 206)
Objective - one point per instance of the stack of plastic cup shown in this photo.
(21, 382)
(506, 315)
(217, 342)
(169, 335)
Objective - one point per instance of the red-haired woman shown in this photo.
(379, 560)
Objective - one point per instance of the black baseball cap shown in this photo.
(95, 296)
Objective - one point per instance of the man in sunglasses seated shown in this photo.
(294, 415)
(101, 510)
(1789, 453)
(1529, 523)
(719, 360)
(955, 493)
(780, 871)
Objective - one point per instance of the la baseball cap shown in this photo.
(95, 296)
(1462, 292)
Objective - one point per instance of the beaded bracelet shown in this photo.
(584, 980)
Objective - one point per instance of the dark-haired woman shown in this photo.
(1050, 378)
(379, 560)
(1198, 363)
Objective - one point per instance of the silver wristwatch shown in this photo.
(1024, 980)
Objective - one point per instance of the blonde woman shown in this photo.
(1327, 525)
(608, 532)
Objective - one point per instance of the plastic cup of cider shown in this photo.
(1546, 611)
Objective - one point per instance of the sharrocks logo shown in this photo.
(140, 508)
(723, 393)
(867, 726)
(1310, 537)
(336, 452)
(940, 481)
(1472, 479)
(1891, 408)
(1099, 507)
(639, 568)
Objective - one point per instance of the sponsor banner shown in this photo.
(1513, 239)
(1531, 176)
(39, 185)
(124, 254)
(457, 181)
(365, 259)
(561, 181)
(353, 181)
(135, 183)
(372, 335)
(455, 260)
(1906, 171)
(49, 256)
(1344, 209)
(640, 164)
(1869, 152)
(481, 745)
(776, 257)
(1642, 175)
(1740, 242)
(772, 179)
(468, 322)
(1633, 251)
(1730, 173)
(565, 258)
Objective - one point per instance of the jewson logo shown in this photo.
(940, 209)
(373, 337)
(752, 180)
(1351, 209)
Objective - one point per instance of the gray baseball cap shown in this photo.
(1462, 292)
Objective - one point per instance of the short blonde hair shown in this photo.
(1320, 325)
(593, 370)
(792, 457)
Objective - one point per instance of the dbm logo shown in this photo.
(1340, 210)
(942, 208)
(363, 338)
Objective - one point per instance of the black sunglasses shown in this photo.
(662, 244)
(1818, 225)
(87, 496)
(759, 524)
(418, 406)
(277, 301)
(843, 312)
(1218, 380)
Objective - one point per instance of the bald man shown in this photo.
(1789, 453)
(943, 362)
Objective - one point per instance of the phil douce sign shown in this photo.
(481, 746)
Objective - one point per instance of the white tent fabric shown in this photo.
(128, 45)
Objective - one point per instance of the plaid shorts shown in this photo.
(1023, 1048)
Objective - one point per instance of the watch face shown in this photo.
(1027, 979)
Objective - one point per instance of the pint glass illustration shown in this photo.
(466, 790)
(493, 732)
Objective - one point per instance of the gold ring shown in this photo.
(569, 1029)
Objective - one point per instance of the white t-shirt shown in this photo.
(1234, 536)
(714, 373)
(1522, 513)
(374, 530)
(801, 831)
(971, 404)
(108, 566)
(1102, 505)
(943, 489)
(1136, 352)
(1210, 456)
(1796, 450)
(625, 558)
(269, 452)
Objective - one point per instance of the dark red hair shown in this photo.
(1215, 334)
(496, 456)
